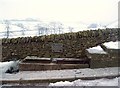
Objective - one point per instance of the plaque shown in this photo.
(57, 47)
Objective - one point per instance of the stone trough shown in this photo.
(39, 64)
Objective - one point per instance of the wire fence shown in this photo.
(34, 32)
(40, 28)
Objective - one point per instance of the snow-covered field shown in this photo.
(32, 27)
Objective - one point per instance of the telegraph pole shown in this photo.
(7, 29)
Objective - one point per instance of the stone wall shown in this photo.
(69, 45)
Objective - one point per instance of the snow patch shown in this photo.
(11, 66)
(79, 82)
(97, 50)
(112, 45)
(36, 58)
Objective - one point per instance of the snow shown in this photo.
(32, 28)
(113, 25)
(36, 58)
(80, 83)
(62, 74)
(97, 82)
(112, 45)
(97, 50)
(77, 74)
(4, 66)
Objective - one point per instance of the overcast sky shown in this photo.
(89, 11)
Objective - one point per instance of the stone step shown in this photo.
(57, 60)
(49, 66)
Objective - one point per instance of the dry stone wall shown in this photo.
(69, 45)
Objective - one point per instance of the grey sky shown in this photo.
(103, 11)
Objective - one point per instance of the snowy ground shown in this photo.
(79, 82)
(69, 74)
(97, 82)
(61, 74)
(77, 74)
